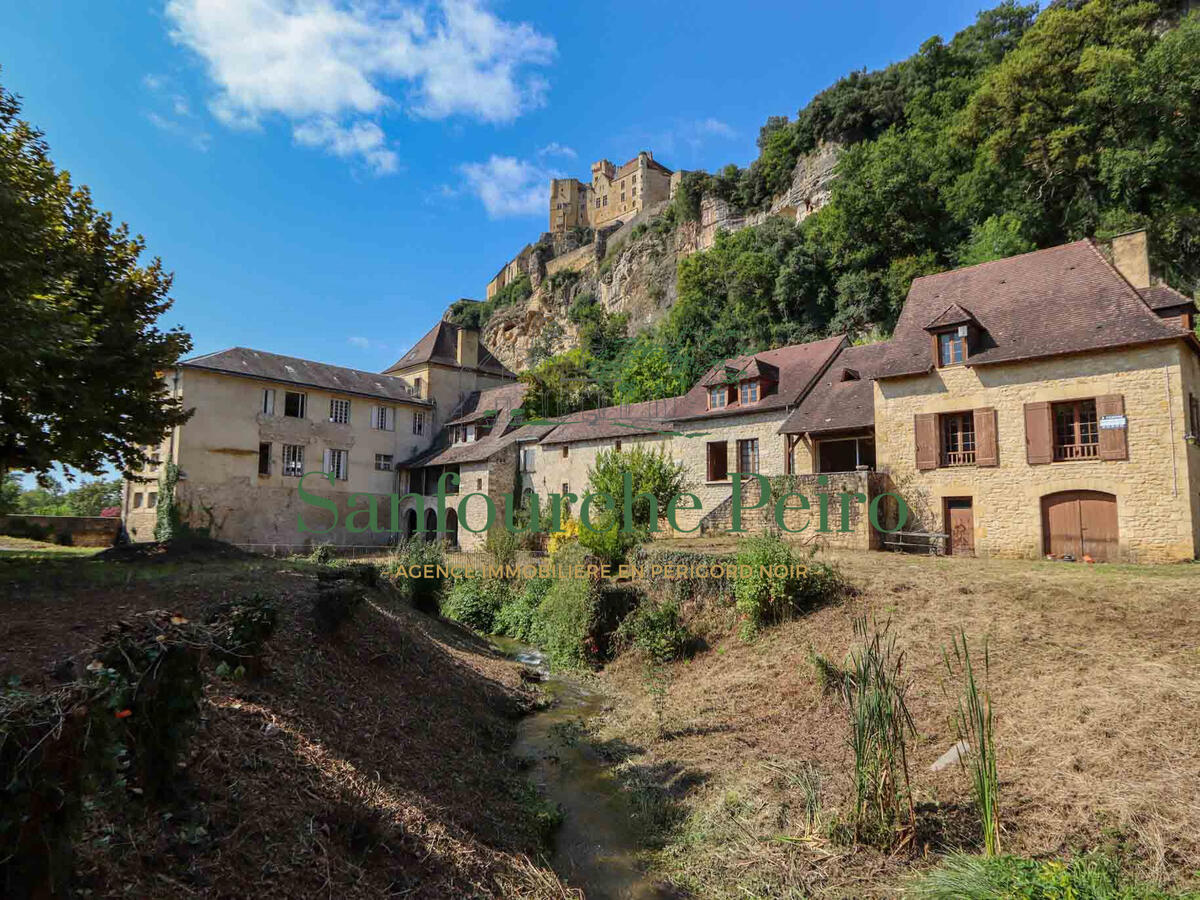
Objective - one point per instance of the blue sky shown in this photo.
(311, 170)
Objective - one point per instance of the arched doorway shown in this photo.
(451, 535)
(430, 525)
(1079, 524)
(410, 524)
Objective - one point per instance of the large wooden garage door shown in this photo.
(1079, 524)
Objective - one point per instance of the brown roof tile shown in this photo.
(440, 345)
(627, 420)
(1064, 299)
(844, 397)
(1162, 296)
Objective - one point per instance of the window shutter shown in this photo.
(389, 420)
(1039, 433)
(269, 401)
(327, 462)
(987, 453)
(1113, 443)
(925, 429)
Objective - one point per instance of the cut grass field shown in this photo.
(1095, 683)
(370, 762)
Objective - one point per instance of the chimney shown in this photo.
(467, 351)
(1132, 258)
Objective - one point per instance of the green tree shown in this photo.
(998, 237)
(91, 497)
(10, 493)
(81, 359)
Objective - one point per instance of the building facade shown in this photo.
(614, 193)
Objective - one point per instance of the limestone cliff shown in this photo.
(631, 269)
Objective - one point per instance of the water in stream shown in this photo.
(595, 847)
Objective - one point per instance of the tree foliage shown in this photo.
(81, 358)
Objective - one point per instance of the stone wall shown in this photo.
(1154, 498)
(74, 531)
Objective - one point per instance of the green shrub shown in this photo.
(475, 602)
(1093, 876)
(764, 598)
(502, 545)
(335, 605)
(657, 630)
(240, 628)
(563, 622)
(609, 544)
(425, 594)
(516, 617)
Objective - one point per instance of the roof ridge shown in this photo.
(991, 262)
(315, 362)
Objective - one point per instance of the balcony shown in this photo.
(952, 458)
(1067, 452)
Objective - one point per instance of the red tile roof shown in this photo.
(614, 422)
(1162, 296)
(1064, 299)
(843, 398)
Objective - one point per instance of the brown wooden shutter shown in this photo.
(925, 429)
(987, 453)
(1039, 433)
(1113, 444)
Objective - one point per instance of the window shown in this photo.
(264, 459)
(718, 461)
(137, 500)
(470, 434)
(293, 460)
(748, 392)
(293, 404)
(383, 462)
(1076, 431)
(952, 348)
(417, 387)
(717, 397)
(606, 200)
(339, 411)
(337, 462)
(479, 484)
(566, 451)
(152, 500)
(268, 401)
(418, 423)
(748, 455)
(617, 446)
(384, 418)
(527, 460)
(566, 488)
(958, 439)
(1194, 411)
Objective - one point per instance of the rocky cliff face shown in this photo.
(633, 269)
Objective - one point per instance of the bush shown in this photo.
(563, 622)
(657, 630)
(502, 545)
(609, 544)
(764, 598)
(1093, 875)
(240, 628)
(425, 594)
(516, 617)
(475, 602)
(335, 605)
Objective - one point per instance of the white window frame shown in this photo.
(293, 460)
(268, 401)
(339, 411)
(384, 466)
(384, 418)
(336, 461)
(714, 393)
(746, 389)
(419, 422)
(470, 434)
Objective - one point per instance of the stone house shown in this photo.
(1044, 404)
(615, 193)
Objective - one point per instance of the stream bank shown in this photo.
(596, 847)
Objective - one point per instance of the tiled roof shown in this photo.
(951, 315)
(502, 403)
(843, 398)
(627, 420)
(1061, 300)
(740, 369)
(440, 345)
(797, 366)
(303, 372)
(481, 405)
(1161, 296)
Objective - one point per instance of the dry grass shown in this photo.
(1095, 677)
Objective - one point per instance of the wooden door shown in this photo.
(960, 525)
(1079, 524)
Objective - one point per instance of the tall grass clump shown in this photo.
(765, 598)
(880, 725)
(562, 624)
(1093, 876)
(973, 723)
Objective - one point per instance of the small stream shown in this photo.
(596, 846)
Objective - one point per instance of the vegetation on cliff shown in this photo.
(1025, 130)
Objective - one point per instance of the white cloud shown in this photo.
(554, 148)
(508, 186)
(362, 342)
(173, 113)
(334, 67)
(714, 127)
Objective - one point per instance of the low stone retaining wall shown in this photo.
(75, 531)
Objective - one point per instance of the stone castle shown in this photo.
(613, 195)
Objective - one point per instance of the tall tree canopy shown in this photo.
(81, 358)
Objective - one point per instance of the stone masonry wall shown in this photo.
(1154, 506)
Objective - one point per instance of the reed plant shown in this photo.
(974, 726)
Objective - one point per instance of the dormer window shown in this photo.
(748, 392)
(952, 347)
(718, 397)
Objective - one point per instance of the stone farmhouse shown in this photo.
(1047, 403)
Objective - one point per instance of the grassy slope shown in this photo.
(1096, 682)
(369, 763)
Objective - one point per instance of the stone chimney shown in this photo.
(467, 351)
(1132, 258)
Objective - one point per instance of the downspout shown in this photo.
(1171, 433)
